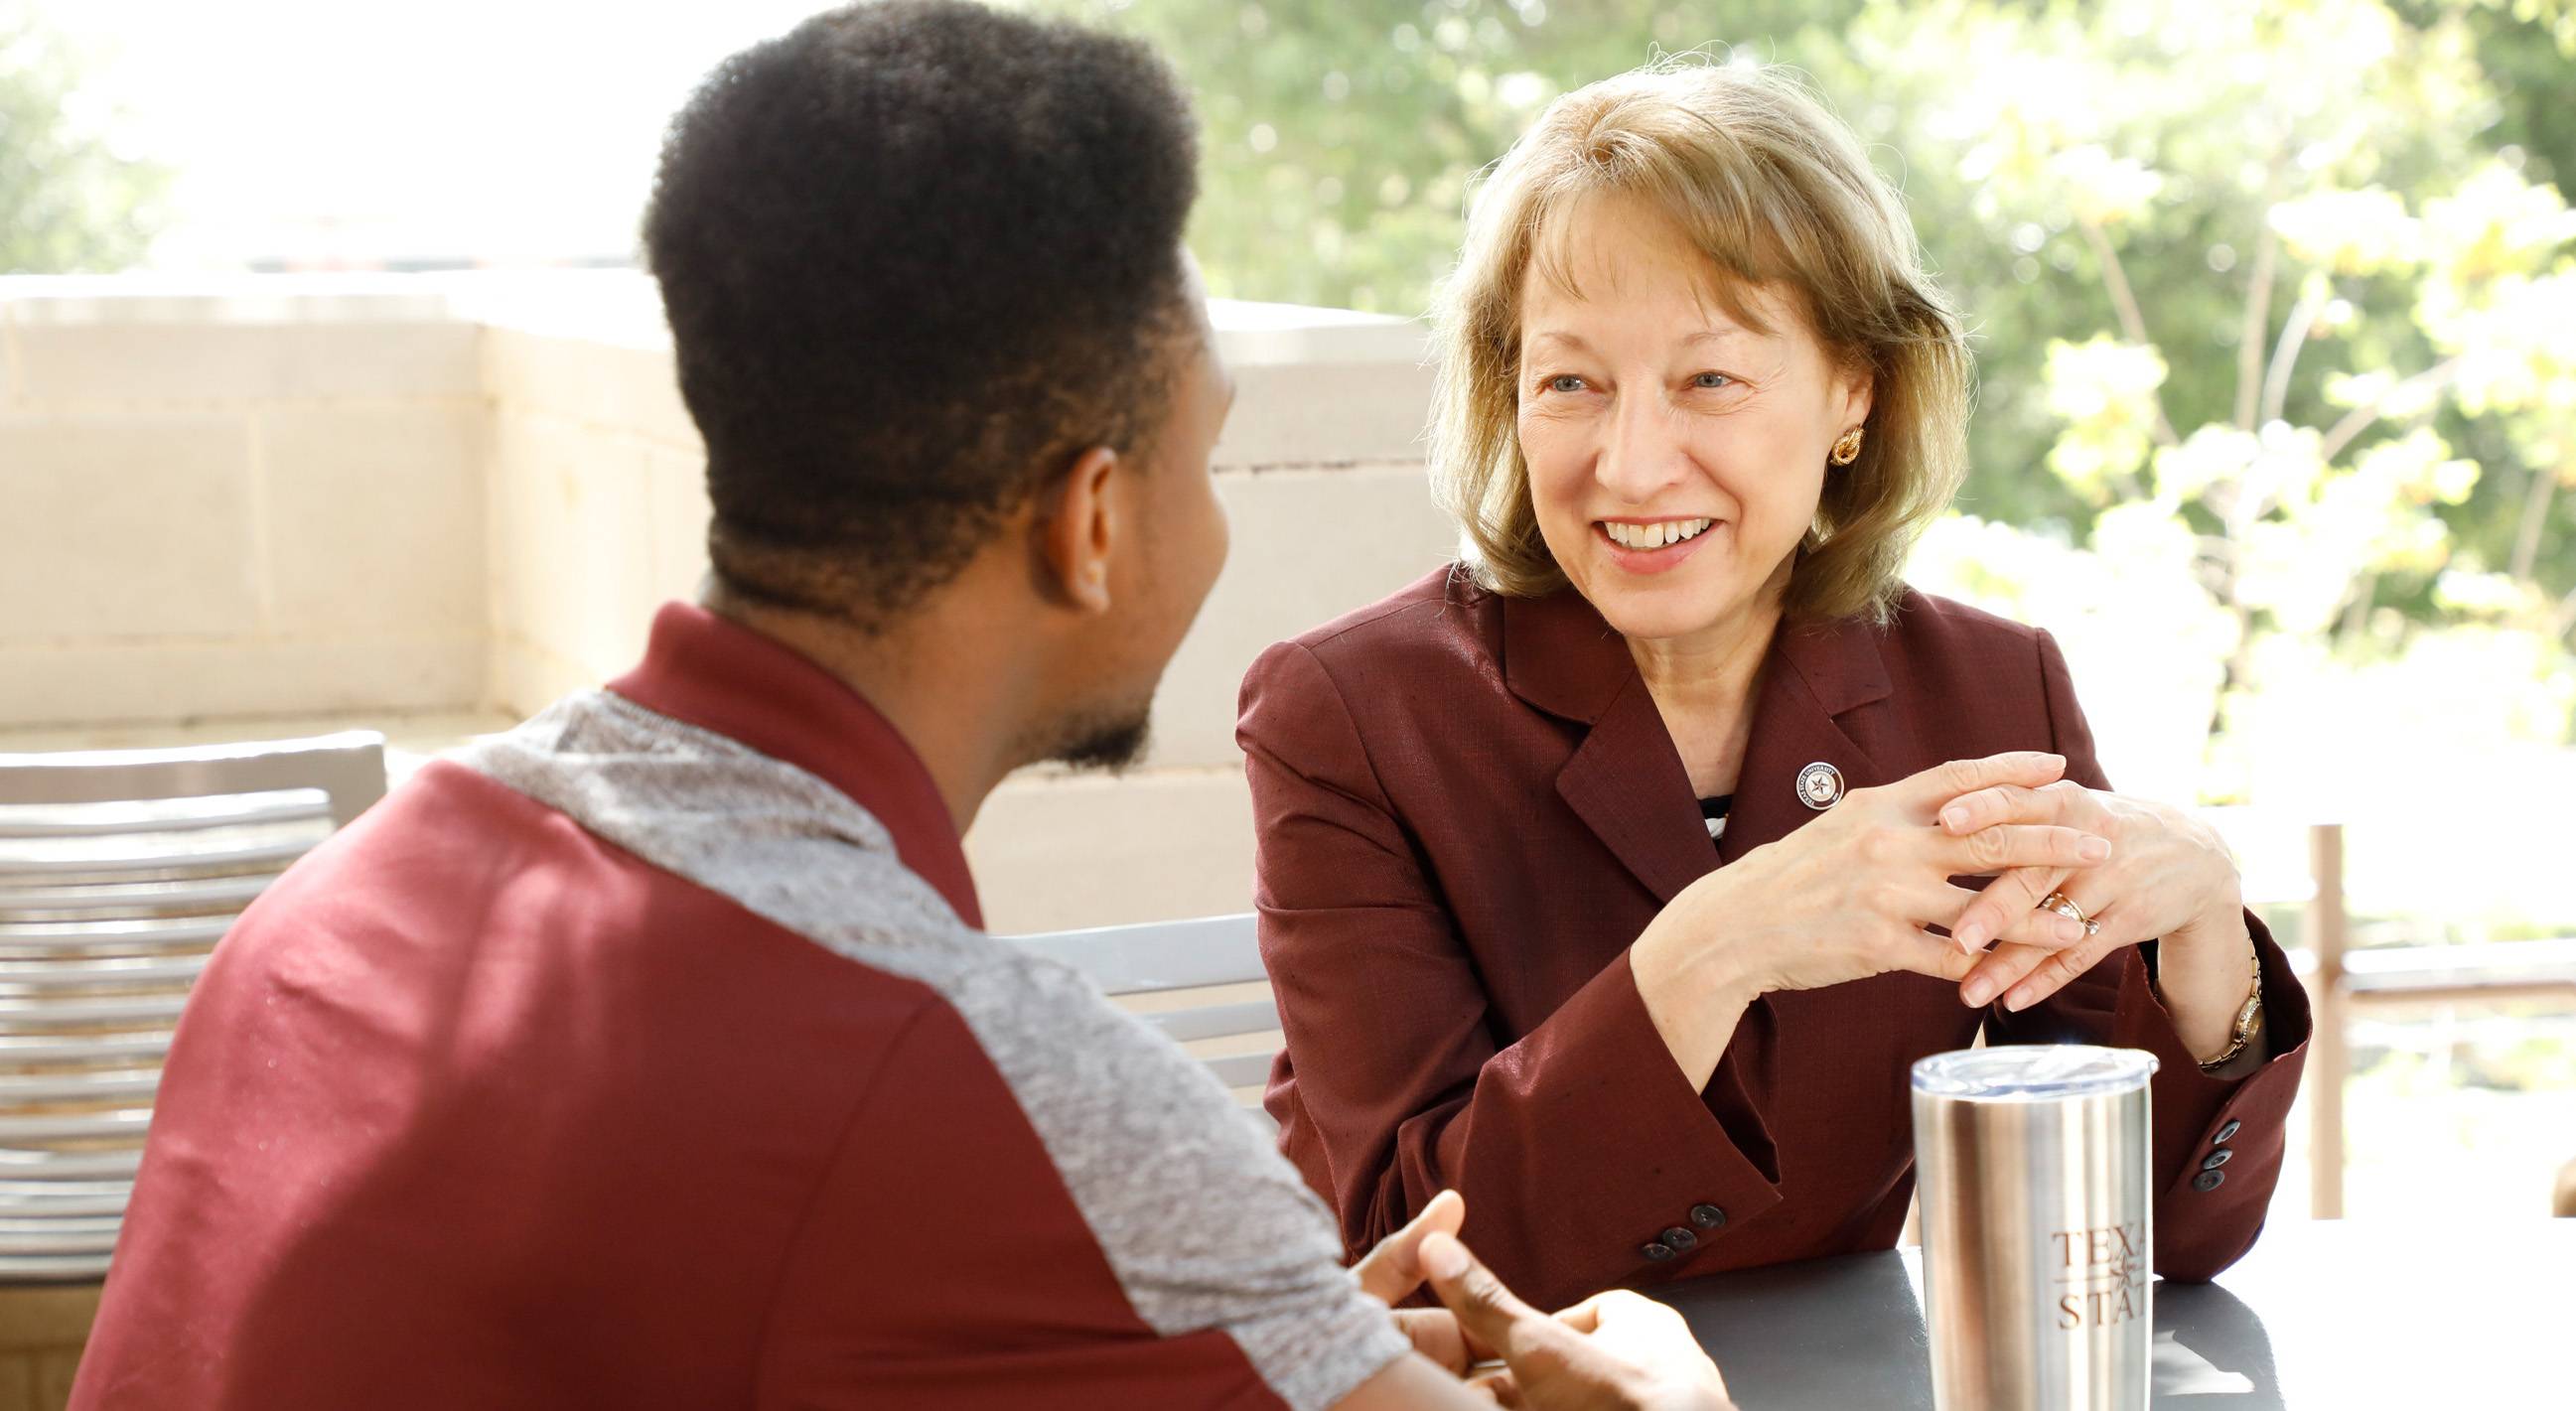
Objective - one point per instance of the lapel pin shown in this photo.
(1820, 786)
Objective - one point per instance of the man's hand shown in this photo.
(1616, 1352)
(1393, 1270)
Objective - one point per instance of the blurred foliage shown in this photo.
(2275, 303)
(69, 201)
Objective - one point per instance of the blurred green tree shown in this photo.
(69, 201)
(2275, 302)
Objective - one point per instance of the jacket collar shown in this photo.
(719, 675)
(1626, 780)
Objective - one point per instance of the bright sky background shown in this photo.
(502, 130)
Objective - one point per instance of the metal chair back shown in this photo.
(119, 871)
(1171, 958)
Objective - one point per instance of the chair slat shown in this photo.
(163, 815)
(1241, 1070)
(21, 976)
(1216, 1021)
(115, 935)
(77, 1127)
(127, 865)
(1166, 955)
(68, 1165)
(98, 1243)
(22, 1223)
(23, 1190)
(18, 1015)
(53, 1268)
(18, 1088)
(65, 1207)
(81, 1048)
(196, 896)
(349, 767)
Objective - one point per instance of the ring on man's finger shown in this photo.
(2057, 902)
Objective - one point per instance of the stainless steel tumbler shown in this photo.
(2038, 1226)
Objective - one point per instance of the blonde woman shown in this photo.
(1613, 874)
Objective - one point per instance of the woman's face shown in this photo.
(1675, 456)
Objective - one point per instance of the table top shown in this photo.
(2438, 1312)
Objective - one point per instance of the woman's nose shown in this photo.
(1643, 454)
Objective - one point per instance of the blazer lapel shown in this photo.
(1629, 786)
(1814, 685)
(1625, 780)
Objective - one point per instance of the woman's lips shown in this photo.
(1646, 562)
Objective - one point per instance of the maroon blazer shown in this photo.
(1468, 807)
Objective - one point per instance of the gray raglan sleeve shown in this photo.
(1205, 1225)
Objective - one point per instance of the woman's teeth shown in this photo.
(1655, 536)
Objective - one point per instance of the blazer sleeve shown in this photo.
(2218, 1142)
(1395, 1087)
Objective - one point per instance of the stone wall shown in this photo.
(335, 496)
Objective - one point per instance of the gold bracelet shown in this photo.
(2246, 1021)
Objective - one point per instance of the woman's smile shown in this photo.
(1651, 546)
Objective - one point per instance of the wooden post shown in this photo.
(2328, 1057)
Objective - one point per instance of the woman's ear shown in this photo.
(1859, 387)
(1079, 531)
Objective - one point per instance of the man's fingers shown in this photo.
(1391, 1271)
(1434, 1333)
(1936, 786)
(1497, 1385)
(1488, 1313)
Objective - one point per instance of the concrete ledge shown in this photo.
(96, 682)
(1052, 851)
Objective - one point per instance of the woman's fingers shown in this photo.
(2012, 895)
(1999, 970)
(1928, 791)
(2064, 801)
(1990, 851)
(2004, 803)
(1927, 954)
(2056, 971)
(2035, 926)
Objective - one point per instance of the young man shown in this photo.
(652, 1054)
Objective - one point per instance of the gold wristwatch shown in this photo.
(2248, 1020)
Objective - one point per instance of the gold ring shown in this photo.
(2058, 902)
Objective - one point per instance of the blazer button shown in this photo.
(1679, 1238)
(2216, 1159)
(2208, 1180)
(1707, 1217)
(2232, 1127)
(1661, 1252)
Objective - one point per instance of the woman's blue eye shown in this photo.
(1565, 383)
(1712, 381)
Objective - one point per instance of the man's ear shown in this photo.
(1078, 530)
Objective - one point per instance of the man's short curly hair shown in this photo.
(917, 256)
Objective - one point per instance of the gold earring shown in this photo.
(1847, 449)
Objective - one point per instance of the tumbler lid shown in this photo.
(2033, 1072)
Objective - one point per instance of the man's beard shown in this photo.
(1107, 740)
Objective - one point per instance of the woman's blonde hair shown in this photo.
(1775, 191)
